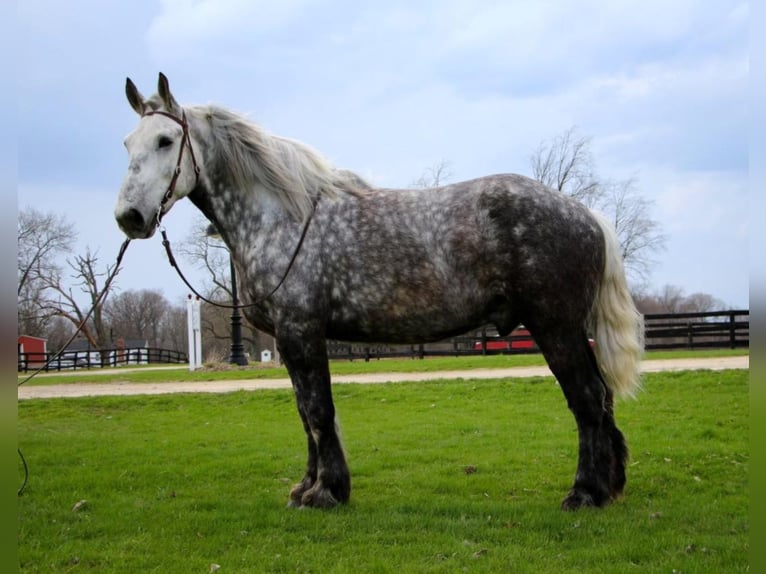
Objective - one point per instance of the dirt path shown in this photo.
(104, 389)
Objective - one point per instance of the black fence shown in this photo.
(719, 329)
(97, 359)
(483, 342)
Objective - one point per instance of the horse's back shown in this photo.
(425, 264)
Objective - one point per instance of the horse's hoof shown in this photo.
(576, 500)
(319, 498)
(297, 492)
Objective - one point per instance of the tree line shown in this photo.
(57, 289)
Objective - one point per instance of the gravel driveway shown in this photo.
(117, 388)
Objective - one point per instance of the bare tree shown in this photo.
(55, 294)
(672, 299)
(137, 314)
(566, 164)
(173, 331)
(42, 237)
(63, 300)
(436, 175)
(58, 332)
(640, 235)
(702, 303)
(206, 251)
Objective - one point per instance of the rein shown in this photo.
(174, 264)
(79, 328)
(186, 140)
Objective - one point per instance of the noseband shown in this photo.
(185, 140)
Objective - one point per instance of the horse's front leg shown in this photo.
(327, 481)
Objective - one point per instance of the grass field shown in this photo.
(258, 371)
(449, 476)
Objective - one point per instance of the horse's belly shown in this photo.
(392, 321)
(395, 332)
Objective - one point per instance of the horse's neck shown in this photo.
(256, 224)
(244, 218)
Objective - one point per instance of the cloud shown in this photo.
(390, 88)
(674, 112)
(705, 202)
(187, 26)
(550, 46)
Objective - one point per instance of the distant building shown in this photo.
(32, 350)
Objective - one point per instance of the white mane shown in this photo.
(293, 172)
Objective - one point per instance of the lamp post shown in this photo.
(237, 356)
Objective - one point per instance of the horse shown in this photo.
(322, 254)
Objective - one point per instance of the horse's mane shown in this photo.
(293, 172)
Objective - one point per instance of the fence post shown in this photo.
(689, 335)
(732, 332)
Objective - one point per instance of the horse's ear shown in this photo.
(137, 101)
(163, 89)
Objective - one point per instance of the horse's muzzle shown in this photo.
(134, 224)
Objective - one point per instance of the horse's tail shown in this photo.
(616, 325)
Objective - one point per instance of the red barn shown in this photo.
(35, 350)
(524, 341)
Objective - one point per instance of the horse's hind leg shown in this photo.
(326, 482)
(602, 451)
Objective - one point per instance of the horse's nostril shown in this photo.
(131, 220)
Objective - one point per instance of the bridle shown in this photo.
(185, 141)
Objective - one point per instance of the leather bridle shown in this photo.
(185, 141)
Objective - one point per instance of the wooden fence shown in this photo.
(718, 329)
(93, 359)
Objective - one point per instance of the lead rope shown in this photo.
(101, 295)
(174, 264)
(186, 141)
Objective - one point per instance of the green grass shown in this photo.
(256, 371)
(176, 483)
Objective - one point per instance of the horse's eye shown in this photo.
(164, 141)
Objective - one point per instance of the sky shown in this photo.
(390, 89)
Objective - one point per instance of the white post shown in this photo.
(190, 334)
(194, 332)
(198, 331)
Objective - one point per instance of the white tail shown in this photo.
(616, 325)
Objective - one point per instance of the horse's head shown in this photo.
(163, 167)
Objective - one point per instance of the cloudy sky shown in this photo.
(390, 88)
